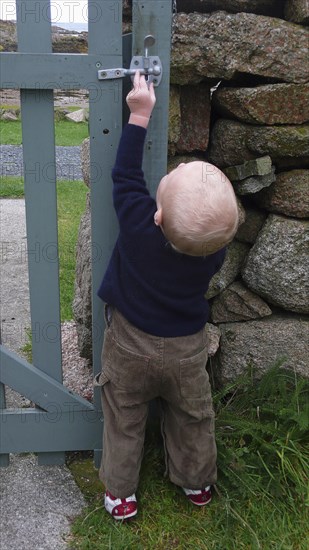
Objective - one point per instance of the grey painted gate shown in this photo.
(61, 420)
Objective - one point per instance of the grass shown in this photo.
(260, 501)
(66, 132)
(11, 187)
(70, 133)
(12, 106)
(71, 199)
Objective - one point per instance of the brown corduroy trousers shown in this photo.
(136, 368)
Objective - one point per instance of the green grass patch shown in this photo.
(71, 197)
(10, 132)
(261, 496)
(70, 133)
(7, 106)
(11, 187)
(71, 200)
(66, 132)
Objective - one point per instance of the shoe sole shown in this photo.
(200, 503)
(123, 518)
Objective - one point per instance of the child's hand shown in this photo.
(141, 101)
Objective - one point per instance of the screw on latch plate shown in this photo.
(150, 66)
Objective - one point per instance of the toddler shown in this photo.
(155, 343)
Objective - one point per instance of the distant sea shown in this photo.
(78, 27)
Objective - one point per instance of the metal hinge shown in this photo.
(150, 66)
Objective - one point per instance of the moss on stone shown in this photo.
(86, 477)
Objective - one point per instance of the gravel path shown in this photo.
(67, 160)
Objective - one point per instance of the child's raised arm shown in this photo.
(141, 101)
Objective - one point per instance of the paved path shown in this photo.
(36, 502)
(36, 505)
(14, 288)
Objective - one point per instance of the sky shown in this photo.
(61, 10)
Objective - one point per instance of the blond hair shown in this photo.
(200, 212)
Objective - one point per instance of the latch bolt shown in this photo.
(150, 66)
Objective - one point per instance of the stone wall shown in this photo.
(239, 98)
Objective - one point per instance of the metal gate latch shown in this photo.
(150, 66)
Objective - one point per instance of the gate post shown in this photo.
(148, 17)
(105, 123)
(155, 17)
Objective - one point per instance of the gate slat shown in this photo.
(37, 108)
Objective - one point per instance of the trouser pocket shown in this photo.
(193, 376)
(126, 370)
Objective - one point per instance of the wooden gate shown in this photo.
(63, 421)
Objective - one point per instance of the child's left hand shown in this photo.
(141, 101)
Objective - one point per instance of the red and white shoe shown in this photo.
(199, 497)
(120, 508)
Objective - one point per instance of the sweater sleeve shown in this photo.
(132, 200)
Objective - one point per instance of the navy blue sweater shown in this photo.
(157, 289)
